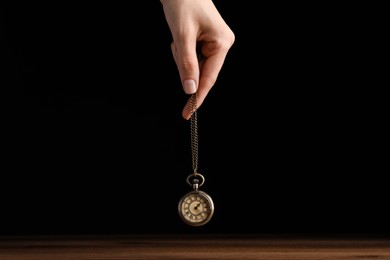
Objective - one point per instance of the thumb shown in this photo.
(188, 65)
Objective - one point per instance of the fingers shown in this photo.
(187, 64)
(209, 70)
(192, 23)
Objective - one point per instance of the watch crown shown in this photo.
(195, 180)
(195, 185)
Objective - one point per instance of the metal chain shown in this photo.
(194, 133)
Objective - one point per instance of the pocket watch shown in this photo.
(196, 207)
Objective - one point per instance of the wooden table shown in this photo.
(186, 247)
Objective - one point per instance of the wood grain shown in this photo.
(189, 247)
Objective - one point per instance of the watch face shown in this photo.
(196, 208)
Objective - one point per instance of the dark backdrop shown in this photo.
(93, 141)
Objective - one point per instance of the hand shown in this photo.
(193, 23)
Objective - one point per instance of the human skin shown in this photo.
(197, 24)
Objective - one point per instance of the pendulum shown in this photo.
(196, 207)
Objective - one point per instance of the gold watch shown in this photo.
(196, 207)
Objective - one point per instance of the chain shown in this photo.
(194, 132)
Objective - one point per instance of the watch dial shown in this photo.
(196, 208)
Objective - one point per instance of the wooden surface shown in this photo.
(189, 247)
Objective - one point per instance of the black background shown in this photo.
(93, 141)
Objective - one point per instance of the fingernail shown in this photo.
(189, 86)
